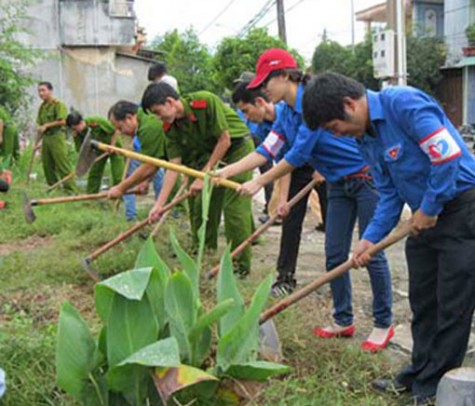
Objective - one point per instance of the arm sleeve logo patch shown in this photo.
(440, 146)
(198, 104)
(273, 143)
(393, 152)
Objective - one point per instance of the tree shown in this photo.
(235, 55)
(425, 56)
(188, 60)
(330, 55)
(15, 57)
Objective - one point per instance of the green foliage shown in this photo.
(470, 33)
(235, 55)
(331, 56)
(188, 60)
(14, 55)
(425, 56)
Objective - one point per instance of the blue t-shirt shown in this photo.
(416, 156)
(291, 139)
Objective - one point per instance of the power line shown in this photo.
(217, 16)
(286, 12)
(258, 17)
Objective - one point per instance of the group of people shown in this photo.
(369, 153)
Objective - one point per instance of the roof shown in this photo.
(378, 12)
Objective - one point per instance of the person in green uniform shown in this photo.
(201, 132)
(9, 142)
(131, 120)
(51, 122)
(101, 130)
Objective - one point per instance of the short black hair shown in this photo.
(157, 70)
(73, 118)
(157, 93)
(323, 98)
(242, 94)
(120, 109)
(47, 84)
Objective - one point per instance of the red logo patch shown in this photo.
(198, 104)
(166, 127)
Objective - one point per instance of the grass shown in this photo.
(40, 269)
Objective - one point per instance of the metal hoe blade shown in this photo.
(87, 156)
(269, 343)
(30, 216)
(86, 264)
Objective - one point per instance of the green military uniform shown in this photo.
(101, 130)
(10, 147)
(194, 138)
(54, 152)
(151, 135)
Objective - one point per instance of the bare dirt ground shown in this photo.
(311, 264)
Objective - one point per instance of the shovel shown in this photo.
(270, 344)
(28, 204)
(88, 154)
(71, 175)
(254, 236)
(86, 262)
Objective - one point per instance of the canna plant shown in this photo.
(156, 335)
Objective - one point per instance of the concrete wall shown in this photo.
(458, 14)
(88, 23)
(91, 80)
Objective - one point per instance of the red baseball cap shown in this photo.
(271, 60)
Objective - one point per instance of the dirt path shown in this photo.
(30, 243)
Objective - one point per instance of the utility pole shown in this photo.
(396, 21)
(353, 25)
(281, 20)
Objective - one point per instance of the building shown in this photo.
(447, 20)
(92, 51)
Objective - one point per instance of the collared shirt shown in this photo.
(194, 137)
(51, 111)
(290, 138)
(150, 135)
(416, 157)
(101, 130)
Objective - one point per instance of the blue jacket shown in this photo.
(290, 138)
(263, 129)
(416, 156)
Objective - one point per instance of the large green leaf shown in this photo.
(131, 377)
(148, 257)
(75, 356)
(171, 380)
(181, 310)
(205, 203)
(130, 284)
(227, 289)
(239, 346)
(104, 297)
(257, 370)
(200, 347)
(156, 295)
(211, 317)
(187, 263)
(131, 326)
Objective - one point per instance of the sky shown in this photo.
(305, 19)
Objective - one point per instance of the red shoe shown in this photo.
(370, 346)
(322, 333)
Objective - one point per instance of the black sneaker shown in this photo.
(390, 385)
(264, 218)
(282, 288)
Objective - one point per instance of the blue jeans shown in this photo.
(129, 200)
(349, 200)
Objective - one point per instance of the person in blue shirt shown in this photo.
(351, 194)
(258, 109)
(417, 157)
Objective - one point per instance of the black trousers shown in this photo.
(292, 224)
(269, 188)
(441, 264)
